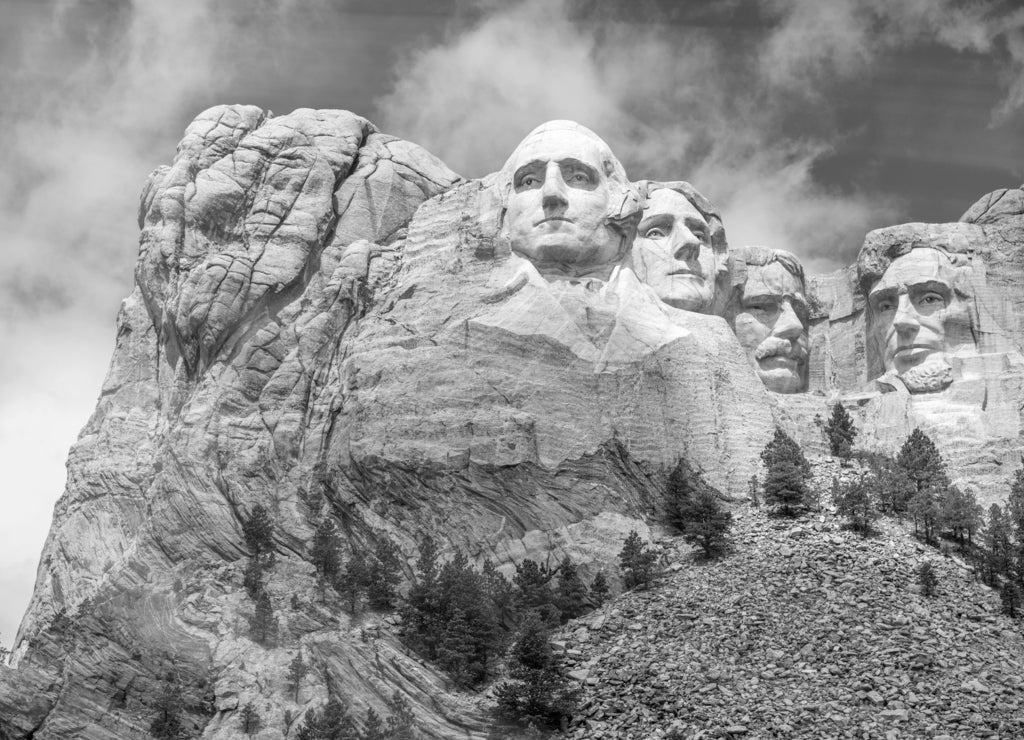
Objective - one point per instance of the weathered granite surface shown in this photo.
(328, 320)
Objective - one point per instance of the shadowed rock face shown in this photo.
(328, 321)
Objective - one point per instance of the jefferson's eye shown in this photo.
(655, 232)
(932, 300)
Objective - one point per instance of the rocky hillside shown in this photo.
(805, 631)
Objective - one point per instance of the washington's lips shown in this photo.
(686, 271)
(553, 218)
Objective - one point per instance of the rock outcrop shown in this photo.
(328, 322)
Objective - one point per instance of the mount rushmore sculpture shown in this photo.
(327, 321)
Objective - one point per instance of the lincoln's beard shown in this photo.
(931, 376)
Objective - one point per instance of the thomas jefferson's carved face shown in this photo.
(558, 209)
(916, 318)
(771, 325)
(673, 254)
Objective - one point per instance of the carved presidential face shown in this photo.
(916, 317)
(673, 254)
(771, 325)
(557, 210)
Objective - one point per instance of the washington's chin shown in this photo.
(566, 246)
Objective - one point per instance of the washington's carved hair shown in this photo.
(624, 202)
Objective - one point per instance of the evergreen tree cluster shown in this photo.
(460, 617)
(693, 508)
(334, 721)
(636, 562)
(373, 579)
(538, 692)
(258, 531)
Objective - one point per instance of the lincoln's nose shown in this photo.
(905, 319)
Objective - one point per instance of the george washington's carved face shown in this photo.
(562, 182)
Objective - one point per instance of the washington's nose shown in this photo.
(905, 319)
(553, 192)
(685, 245)
(788, 325)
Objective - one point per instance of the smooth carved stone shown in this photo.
(569, 207)
(996, 206)
(770, 314)
(680, 248)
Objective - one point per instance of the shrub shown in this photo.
(571, 595)
(263, 627)
(297, 670)
(258, 530)
(330, 722)
(840, 432)
(693, 508)
(853, 500)
(250, 720)
(383, 575)
(168, 724)
(927, 578)
(324, 552)
(538, 691)
(636, 562)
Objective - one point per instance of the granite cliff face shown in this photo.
(329, 322)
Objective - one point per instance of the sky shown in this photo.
(807, 122)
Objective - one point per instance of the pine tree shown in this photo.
(997, 546)
(532, 582)
(599, 588)
(373, 728)
(636, 562)
(782, 447)
(325, 555)
(693, 508)
(263, 627)
(894, 486)
(920, 459)
(422, 612)
(354, 581)
(168, 724)
(259, 532)
(853, 500)
(539, 692)
(840, 432)
(330, 722)
(1010, 596)
(753, 491)
(400, 725)
(572, 592)
(925, 509)
(926, 578)
(784, 486)
(297, 670)
(252, 580)
(384, 575)
(1015, 512)
(960, 513)
(250, 720)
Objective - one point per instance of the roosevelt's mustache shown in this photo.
(775, 346)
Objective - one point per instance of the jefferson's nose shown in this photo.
(788, 324)
(905, 319)
(553, 192)
(685, 244)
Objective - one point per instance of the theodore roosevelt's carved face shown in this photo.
(916, 317)
(771, 325)
(558, 207)
(673, 254)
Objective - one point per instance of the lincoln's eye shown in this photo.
(932, 300)
(885, 305)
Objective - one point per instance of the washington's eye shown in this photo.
(528, 182)
(655, 232)
(579, 178)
